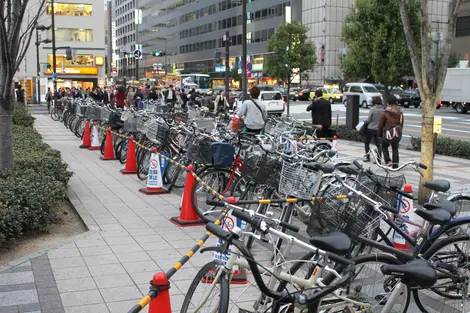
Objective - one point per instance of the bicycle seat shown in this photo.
(348, 169)
(418, 272)
(335, 242)
(440, 185)
(445, 204)
(435, 217)
(324, 167)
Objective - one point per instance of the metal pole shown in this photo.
(54, 68)
(227, 62)
(166, 63)
(289, 76)
(244, 50)
(38, 92)
(137, 21)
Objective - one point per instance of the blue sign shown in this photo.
(54, 75)
(163, 162)
(219, 69)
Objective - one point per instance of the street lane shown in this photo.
(454, 125)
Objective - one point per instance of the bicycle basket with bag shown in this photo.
(221, 153)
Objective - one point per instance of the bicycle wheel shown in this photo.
(205, 296)
(451, 259)
(55, 114)
(174, 174)
(80, 127)
(143, 164)
(220, 180)
(121, 151)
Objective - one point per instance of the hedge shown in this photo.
(31, 192)
(444, 146)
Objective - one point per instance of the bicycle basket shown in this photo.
(351, 216)
(140, 123)
(130, 124)
(298, 181)
(105, 114)
(151, 130)
(198, 150)
(180, 117)
(262, 169)
(378, 187)
(162, 132)
(221, 153)
(205, 124)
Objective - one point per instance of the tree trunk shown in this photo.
(427, 147)
(6, 139)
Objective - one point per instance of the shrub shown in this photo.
(21, 115)
(345, 133)
(446, 146)
(31, 192)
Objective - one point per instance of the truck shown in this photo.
(456, 91)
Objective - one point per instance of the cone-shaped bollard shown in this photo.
(108, 147)
(160, 304)
(188, 215)
(154, 177)
(131, 163)
(86, 137)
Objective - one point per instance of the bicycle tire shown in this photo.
(80, 127)
(123, 151)
(222, 175)
(174, 175)
(143, 164)
(198, 279)
(55, 115)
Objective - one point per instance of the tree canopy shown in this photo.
(376, 43)
(290, 49)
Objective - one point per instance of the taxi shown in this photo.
(330, 93)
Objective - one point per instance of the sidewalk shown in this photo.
(108, 269)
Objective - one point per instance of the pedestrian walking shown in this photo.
(120, 96)
(20, 94)
(390, 131)
(220, 103)
(321, 114)
(253, 113)
(48, 99)
(373, 119)
(170, 96)
(131, 97)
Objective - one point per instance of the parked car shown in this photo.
(303, 95)
(366, 93)
(331, 94)
(273, 102)
(415, 97)
(403, 98)
(293, 94)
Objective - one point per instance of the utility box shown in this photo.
(352, 111)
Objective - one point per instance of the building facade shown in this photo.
(461, 43)
(190, 32)
(78, 25)
(325, 20)
(124, 34)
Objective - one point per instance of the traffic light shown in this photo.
(68, 54)
(218, 57)
(48, 67)
(158, 53)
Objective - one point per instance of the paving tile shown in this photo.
(71, 273)
(115, 241)
(100, 259)
(87, 251)
(79, 298)
(68, 285)
(127, 248)
(142, 266)
(18, 297)
(103, 270)
(165, 254)
(133, 257)
(47, 291)
(111, 281)
(64, 253)
(67, 263)
(9, 309)
(90, 243)
(91, 308)
(16, 278)
(31, 307)
(120, 293)
(122, 306)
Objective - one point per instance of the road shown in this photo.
(454, 125)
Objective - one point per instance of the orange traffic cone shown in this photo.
(131, 163)
(154, 177)
(188, 215)
(95, 138)
(161, 303)
(108, 147)
(86, 137)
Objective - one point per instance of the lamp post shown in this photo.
(39, 28)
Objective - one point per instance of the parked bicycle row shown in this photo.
(351, 214)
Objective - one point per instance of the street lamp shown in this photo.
(38, 42)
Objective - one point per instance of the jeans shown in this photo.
(372, 134)
(394, 143)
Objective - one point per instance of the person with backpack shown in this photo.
(220, 103)
(373, 118)
(389, 130)
(253, 112)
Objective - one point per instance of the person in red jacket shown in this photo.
(120, 96)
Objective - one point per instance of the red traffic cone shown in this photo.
(161, 303)
(131, 163)
(95, 138)
(108, 147)
(188, 215)
(86, 137)
(154, 177)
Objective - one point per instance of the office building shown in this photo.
(325, 19)
(461, 43)
(124, 32)
(190, 31)
(78, 25)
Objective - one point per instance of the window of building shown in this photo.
(73, 34)
(70, 9)
(81, 60)
(462, 27)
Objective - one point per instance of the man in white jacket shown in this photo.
(221, 103)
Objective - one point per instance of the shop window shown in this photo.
(70, 9)
(81, 60)
(73, 34)
(462, 28)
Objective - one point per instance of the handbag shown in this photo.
(394, 133)
(362, 127)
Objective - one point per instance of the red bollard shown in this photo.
(188, 215)
(131, 163)
(108, 147)
(86, 137)
(160, 304)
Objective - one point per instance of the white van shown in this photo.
(365, 92)
(272, 101)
